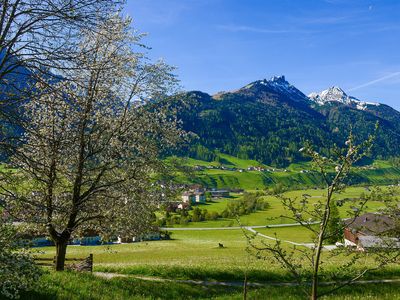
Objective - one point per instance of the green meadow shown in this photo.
(276, 212)
(194, 255)
(161, 269)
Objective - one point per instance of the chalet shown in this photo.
(370, 231)
(193, 197)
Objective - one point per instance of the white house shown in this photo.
(193, 197)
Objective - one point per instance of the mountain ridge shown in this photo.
(269, 120)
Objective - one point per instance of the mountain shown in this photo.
(343, 111)
(269, 120)
(336, 94)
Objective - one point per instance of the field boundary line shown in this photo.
(308, 245)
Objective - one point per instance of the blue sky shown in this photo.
(225, 44)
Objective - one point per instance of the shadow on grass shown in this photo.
(70, 285)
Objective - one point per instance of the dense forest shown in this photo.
(270, 121)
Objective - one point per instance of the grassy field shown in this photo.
(273, 213)
(196, 255)
(192, 255)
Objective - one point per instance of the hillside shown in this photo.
(269, 120)
(231, 172)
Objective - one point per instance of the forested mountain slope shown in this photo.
(269, 120)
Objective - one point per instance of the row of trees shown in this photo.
(249, 203)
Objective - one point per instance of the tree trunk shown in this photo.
(245, 287)
(318, 250)
(314, 289)
(61, 250)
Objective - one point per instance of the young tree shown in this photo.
(306, 263)
(91, 149)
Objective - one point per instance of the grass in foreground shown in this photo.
(69, 285)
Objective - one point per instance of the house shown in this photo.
(187, 197)
(200, 197)
(370, 231)
(193, 197)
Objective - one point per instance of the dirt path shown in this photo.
(232, 228)
(252, 230)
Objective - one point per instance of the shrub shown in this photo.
(17, 269)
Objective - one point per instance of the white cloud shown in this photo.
(372, 82)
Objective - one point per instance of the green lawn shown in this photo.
(296, 234)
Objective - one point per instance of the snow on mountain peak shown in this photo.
(279, 79)
(336, 94)
(274, 81)
(279, 85)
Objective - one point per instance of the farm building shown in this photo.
(370, 231)
(219, 193)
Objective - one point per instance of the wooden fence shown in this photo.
(77, 264)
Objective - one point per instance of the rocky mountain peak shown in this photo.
(336, 94)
